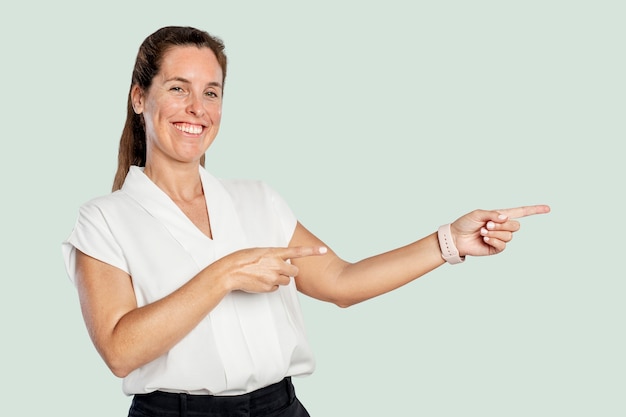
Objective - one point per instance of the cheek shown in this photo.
(217, 114)
(168, 109)
(157, 115)
(161, 108)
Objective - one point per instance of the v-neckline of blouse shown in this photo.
(225, 225)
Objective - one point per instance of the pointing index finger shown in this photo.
(301, 251)
(517, 212)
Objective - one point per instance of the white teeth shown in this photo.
(187, 128)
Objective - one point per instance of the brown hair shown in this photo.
(132, 150)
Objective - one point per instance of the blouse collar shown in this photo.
(226, 227)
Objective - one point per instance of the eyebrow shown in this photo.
(186, 81)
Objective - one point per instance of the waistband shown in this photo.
(260, 402)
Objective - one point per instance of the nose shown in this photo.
(195, 105)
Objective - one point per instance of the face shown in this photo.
(182, 108)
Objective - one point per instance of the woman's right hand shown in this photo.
(128, 336)
(259, 270)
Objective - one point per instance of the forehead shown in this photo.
(191, 62)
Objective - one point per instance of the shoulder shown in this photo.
(237, 188)
(262, 211)
(251, 192)
(105, 200)
(242, 188)
(106, 204)
(109, 200)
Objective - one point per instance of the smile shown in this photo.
(189, 128)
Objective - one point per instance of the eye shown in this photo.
(211, 94)
(176, 89)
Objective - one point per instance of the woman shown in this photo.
(188, 284)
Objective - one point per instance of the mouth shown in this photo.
(189, 128)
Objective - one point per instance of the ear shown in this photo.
(137, 97)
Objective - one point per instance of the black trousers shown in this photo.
(277, 400)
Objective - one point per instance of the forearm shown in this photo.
(356, 282)
(144, 334)
(128, 337)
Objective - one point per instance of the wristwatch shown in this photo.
(449, 252)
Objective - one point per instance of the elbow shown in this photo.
(346, 297)
(346, 289)
(118, 364)
(118, 368)
(345, 302)
(120, 372)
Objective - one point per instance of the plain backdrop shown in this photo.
(377, 122)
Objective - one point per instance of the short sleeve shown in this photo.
(288, 219)
(92, 236)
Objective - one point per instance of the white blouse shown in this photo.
(249, 340)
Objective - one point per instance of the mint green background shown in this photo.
(377, 121)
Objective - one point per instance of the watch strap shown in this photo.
(449, 252)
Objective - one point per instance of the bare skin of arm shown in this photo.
(332, 279)
(128, 336)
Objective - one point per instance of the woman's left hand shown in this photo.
(486, 232)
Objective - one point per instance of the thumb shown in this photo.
(484, 216)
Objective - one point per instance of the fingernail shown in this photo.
(323, 250)
(490, 225)
(483, 231)
(486, 239)
(502, 217)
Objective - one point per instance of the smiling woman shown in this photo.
(149, 62)
(189, 284)
(182, 108)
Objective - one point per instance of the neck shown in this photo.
(181, 182)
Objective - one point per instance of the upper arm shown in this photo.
(317, 276)
(106, 294)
